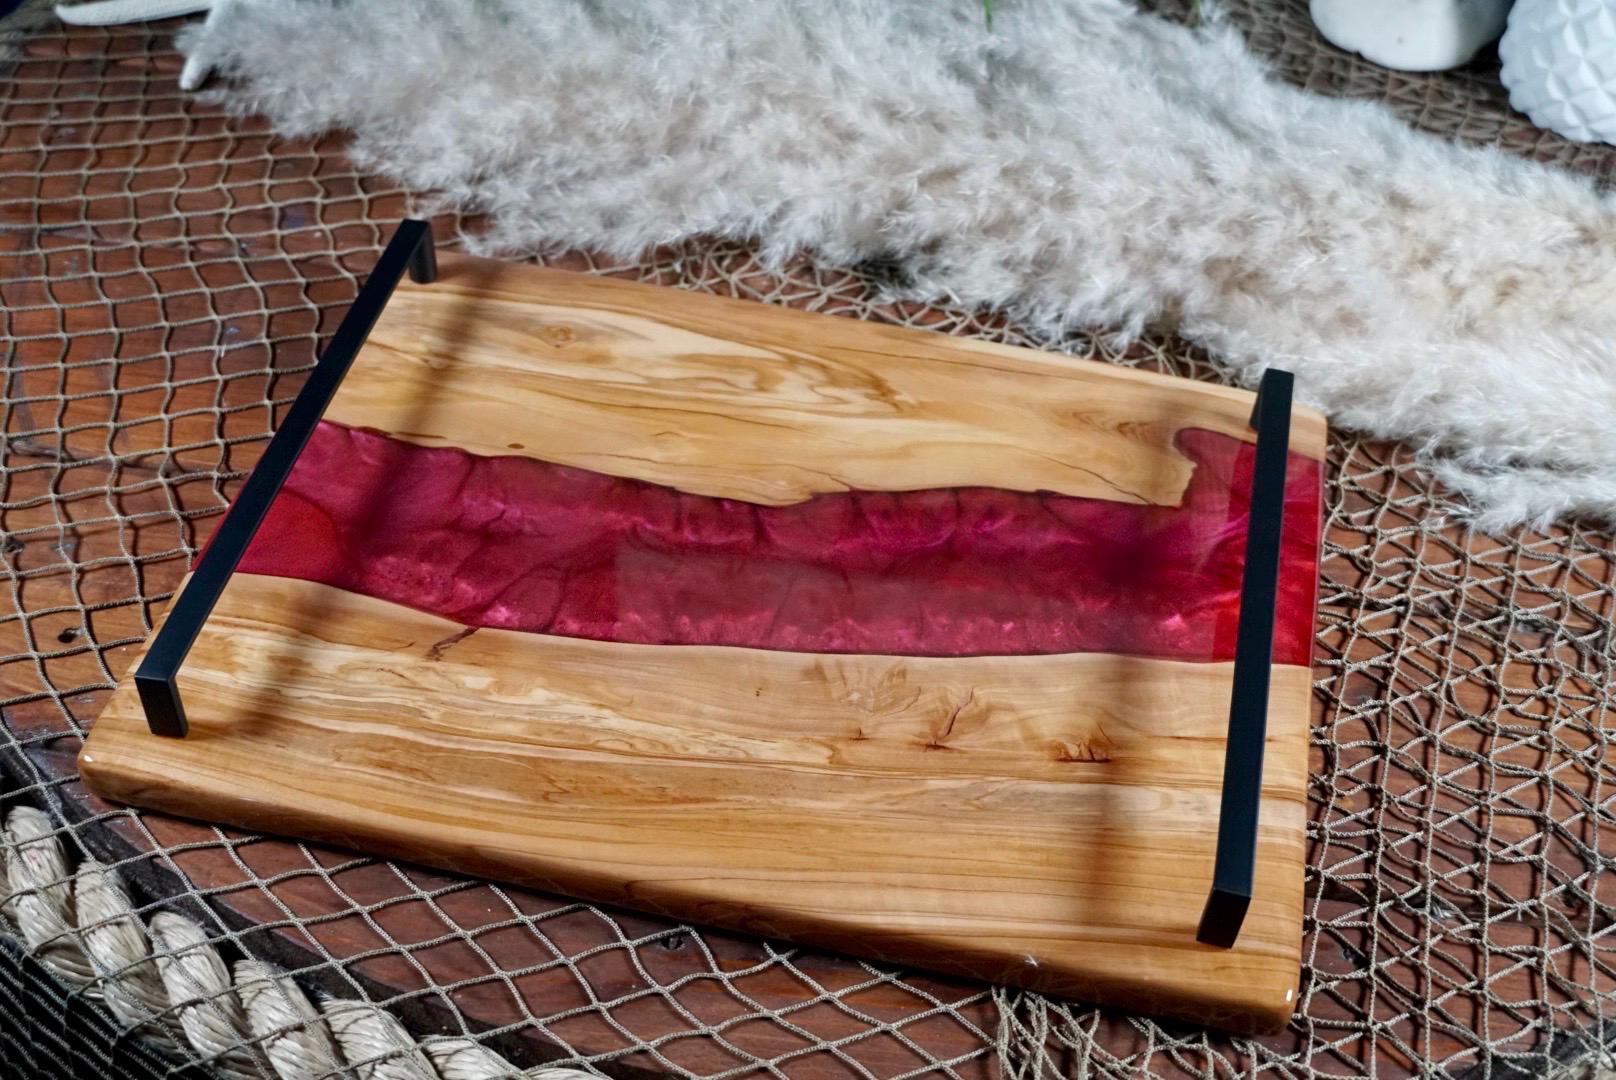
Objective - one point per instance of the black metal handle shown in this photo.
(1236, 861)
(156, 678)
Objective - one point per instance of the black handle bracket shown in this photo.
(1236, 862)
(156, 679)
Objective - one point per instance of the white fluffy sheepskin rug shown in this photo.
(1079, 163)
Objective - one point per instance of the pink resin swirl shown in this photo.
(523, 544)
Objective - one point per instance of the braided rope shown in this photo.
(167, 981)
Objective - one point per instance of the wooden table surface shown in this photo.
(187, 257)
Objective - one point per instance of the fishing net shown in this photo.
(167, 277)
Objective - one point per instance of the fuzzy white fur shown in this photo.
(1079, 163)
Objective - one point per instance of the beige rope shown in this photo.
(167, 981)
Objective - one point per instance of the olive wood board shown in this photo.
(1041, 819)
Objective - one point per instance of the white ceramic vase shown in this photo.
(1411, 35)
(1560, 66)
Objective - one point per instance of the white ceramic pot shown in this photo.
(1560, 66)
(1411, 35)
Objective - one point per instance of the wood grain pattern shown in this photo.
(729, 398)
(1044, 821)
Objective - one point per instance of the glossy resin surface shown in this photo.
(522, 544)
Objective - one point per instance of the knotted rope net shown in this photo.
(167, 277)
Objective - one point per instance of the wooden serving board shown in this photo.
(909, 646)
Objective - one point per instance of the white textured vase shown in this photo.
(1560, 66)
(1411, 35)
